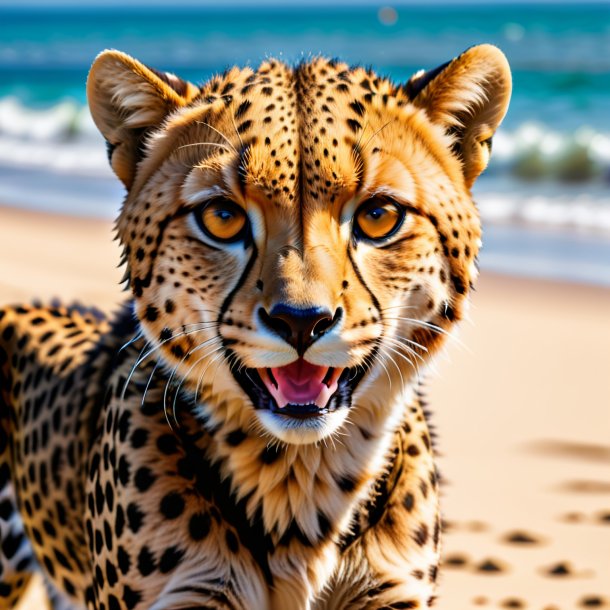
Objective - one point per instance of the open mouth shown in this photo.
(299, 390)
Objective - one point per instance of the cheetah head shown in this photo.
(299, 241)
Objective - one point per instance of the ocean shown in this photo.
(545, 199)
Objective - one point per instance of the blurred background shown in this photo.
(545, 199)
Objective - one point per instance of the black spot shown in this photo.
(131, 597)
(592, 601)
(243, 127)
(111, 574)
(62, 559)
(242, 108)
(144, 478)
(346, 483)
(354, 125)
(199, 526)
(108, 535)
(11, 543)
(167, 444)
(152, 313)
(421, 534)
(69, 588)
(6, 510)
(413, 450)
(123, 559)
(109, 493)
(458, 284)
(49, 565)
(409, 501)
(134, 517)
(124, 425)
(139, 438)
(169, 306)
(358, 108)
(236, 437)
(172, 505)
(489, 565)
(99, 542)
(123, 470)
(170, 559)
(146, 562)
(113, 603)
(270, 454)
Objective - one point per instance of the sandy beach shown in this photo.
(520, 401)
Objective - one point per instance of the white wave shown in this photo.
(534, 152)
(62, 138)
(586, 212)
(65, 121)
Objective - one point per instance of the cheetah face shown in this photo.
(298, 241)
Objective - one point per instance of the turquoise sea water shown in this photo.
(551, 165)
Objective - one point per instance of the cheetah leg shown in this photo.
(17, 563)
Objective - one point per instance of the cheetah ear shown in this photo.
(469, 97)
(127, 100)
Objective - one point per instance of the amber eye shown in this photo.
(223, 220)
(378, 218)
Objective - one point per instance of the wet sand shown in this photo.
(520, 400)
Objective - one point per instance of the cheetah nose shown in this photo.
(299, 327)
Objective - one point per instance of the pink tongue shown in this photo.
(300, 383)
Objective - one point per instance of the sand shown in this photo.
(521, 403)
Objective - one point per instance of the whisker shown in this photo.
(216, 144)
(185, 376)
(434, 328)
(385, 368)
(152, 350)
(137, 336)
(241, 142)
(409, 361)
(201, 377)
(376, 133)
(410, 341)
(196, 349)
(222, 135)
(150, 378)
(220, 360)
(384, 353)
(403, 346)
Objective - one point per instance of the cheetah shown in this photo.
(248, 431)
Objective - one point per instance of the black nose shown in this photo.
(299, 326)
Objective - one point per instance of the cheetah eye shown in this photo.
(222, 220)
(378, 218)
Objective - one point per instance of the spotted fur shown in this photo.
(138, 467)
